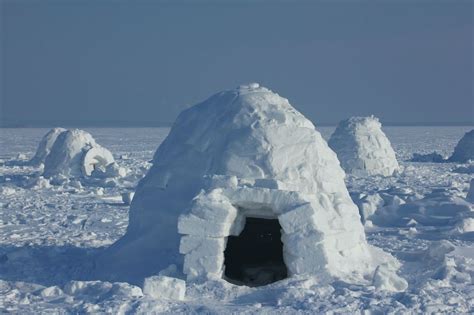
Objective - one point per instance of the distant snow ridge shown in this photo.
(243, 153)
(44, 147)
(74, 153)
(464, 150)
(363, 148)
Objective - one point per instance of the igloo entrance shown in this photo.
(255, 257)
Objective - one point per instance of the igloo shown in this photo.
(363, 148)
(44, 147)
(464, 150)
(76, 154)
(243, 188)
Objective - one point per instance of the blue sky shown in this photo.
(124, 63)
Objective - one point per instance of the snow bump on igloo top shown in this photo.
(363, 148)
(240, 176)
(464, 150)
(76, 154)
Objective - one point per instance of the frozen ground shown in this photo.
(49, 234)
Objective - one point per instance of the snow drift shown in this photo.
(464, 150)
(75, 153)
(241, 154)
(363, 148)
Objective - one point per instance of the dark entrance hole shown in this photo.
(255, 257)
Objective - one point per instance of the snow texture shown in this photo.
(243, 153)
(464, 150)
(363, 148)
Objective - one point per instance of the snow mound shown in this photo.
(75, 154)
(363, 148)
(464, 150)
(44, 147)
(242, 153)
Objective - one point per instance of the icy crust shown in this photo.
(44, 147)
(363, 148)
(246, 148)
(75, 154)
(464, 150)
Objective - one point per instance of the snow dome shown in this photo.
(76, 154)
(363, 148)
(243, 188)
(464, 150)
(45, 145)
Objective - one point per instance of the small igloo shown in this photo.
(44, 147)
(363, 148)
(464, 150)
(75, 153)
(243, 188)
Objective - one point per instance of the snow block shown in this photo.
(193, 225)
(162, 287)
(299, 219)
(196, 264)
(205, 245)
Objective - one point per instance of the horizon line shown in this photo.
(125, 124)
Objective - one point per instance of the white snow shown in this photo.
(243, 153)
(464, 150)
(363, 148)
(49, 235)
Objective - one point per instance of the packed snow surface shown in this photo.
(363, 148)
(50, 233)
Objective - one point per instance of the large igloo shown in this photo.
(363, 148)
(464, 150)
(75, 154)
(243, 188)
(44, 147)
